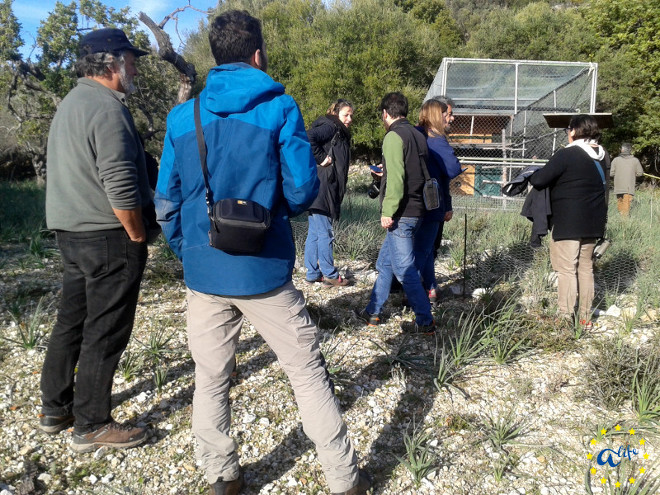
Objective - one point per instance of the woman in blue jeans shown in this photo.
(443, 165)
(331, 141)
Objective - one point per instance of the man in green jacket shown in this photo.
(402, 209)
(97, 186)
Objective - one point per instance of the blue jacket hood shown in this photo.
(237, 88)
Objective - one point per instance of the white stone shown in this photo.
(456, 289)
(45, 477)
(613, 310)
(93, 479)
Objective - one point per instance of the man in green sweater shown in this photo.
(97, 186)
(402, 209)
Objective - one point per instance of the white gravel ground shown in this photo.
(546, 394)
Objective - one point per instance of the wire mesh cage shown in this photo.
(499, 126)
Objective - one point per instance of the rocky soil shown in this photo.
(543, 399)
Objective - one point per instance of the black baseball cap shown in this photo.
(109, 40)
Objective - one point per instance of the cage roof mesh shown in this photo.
(506, 87)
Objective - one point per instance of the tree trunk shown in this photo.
(39, 165)
(188, 74)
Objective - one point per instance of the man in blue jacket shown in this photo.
(257, 150)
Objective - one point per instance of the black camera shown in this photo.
(374, 188)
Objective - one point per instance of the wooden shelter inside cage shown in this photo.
(499, 105)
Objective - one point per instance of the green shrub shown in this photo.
(22, 210)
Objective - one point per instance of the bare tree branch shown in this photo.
(181, 9)
(188, 74)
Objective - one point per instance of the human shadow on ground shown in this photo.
(286, 454)
(381, 460)
(188, 367)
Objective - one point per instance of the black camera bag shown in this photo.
(237, 226)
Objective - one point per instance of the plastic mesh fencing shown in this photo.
(481, 257)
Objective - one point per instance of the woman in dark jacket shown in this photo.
(442, 166)
(576, 179)
(331, 141)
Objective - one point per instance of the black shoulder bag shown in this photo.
(431, 192)
(238, 226)
(431, 189)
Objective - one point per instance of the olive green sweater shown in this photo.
(95, 161)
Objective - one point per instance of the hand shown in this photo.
(449, 215)
(327, 161)
(131, 220)
(386, 222)
(377, 174)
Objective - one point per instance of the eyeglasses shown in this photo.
(567, 130)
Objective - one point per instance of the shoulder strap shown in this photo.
(411, 134)
(601, 173)
(201, 146)
(602, 176)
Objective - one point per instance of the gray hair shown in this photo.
(97, 64)
(626, 148)
(444, 99)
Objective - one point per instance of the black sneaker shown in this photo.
(368, 318)
(222, 487)
(413, 327)
(55, 424)
(363, 485)
(110, 435)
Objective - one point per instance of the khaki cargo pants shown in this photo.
(571, 259)
(214, 327)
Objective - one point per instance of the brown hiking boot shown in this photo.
(363, 485)
(336, 282)
(111, 435)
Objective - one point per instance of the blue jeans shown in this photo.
(396, 259)
(319, 259)
(424, 260)
(102, 275)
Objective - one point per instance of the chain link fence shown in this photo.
(499, 126)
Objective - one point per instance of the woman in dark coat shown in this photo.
(576, 179)
(331, 141)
